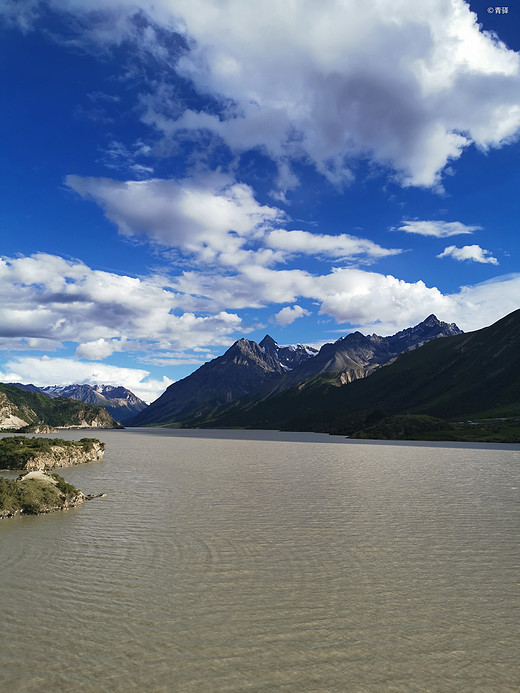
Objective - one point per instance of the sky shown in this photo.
(178, 174)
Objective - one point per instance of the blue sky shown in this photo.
(179, 174)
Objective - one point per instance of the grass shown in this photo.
(16, 451)
(422, 427)
(35, 496)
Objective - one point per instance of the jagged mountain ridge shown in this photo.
(356, 355)
(475, 374)
(251, 369)
(289, 357)
(119, 402)
(243, 368)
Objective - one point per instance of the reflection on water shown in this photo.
(254, 562)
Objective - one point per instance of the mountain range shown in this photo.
(21, 408)
(421, 382)
(461, 387)
(117, 400)
(258, 372)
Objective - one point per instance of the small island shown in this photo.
(41, 454)
(37, 492)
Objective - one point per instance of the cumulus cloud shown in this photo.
(342, 246)
(50, 298)
(406, 85)
(398, 83)
(44, 370)
(438, 229)
(355, 296)
(211, 216)
(474, 253)
(289, 314)
(214, 219)
(99, 349)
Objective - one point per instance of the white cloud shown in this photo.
(99, 349)
(400, 83)
(438, 229)
(63, 371)
(215, 220)
(48, 300)
(355, 296)
(405, 84)
(47, 297)
(341, 246)
(484, 303)
(473, 253)
(211, 216)
(289, 314)
(364, 297)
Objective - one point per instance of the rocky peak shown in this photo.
(428, 329)
(268, 341)
(269, 346)
(247, 352)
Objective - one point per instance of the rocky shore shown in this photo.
(36, 493)
(40, 454)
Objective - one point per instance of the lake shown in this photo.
(260, 561)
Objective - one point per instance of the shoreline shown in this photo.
(309, 436)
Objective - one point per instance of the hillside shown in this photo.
(473, 375)
(259, 371)
(40, 454)
(119, 402)
(243, 368)
(19, 408)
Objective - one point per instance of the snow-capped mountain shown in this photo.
(117, 400)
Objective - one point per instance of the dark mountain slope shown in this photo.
(243, 368)
(266, 368)
(465, 375)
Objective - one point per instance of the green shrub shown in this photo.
(16, 451)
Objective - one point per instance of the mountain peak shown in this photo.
(268, 340)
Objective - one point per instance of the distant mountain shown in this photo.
(20, 408)
(473, 375)
(258, 371)
(356, 355)
(117, 400)
(27, 388)
(244, 368)
(288, 357)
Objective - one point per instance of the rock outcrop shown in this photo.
(38, 428)
(65, 456)
(36, 493)
(40, 454)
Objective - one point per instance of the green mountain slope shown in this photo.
(19, 408)
(468, 375)
(259, 371)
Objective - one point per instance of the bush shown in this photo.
(16, 451)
